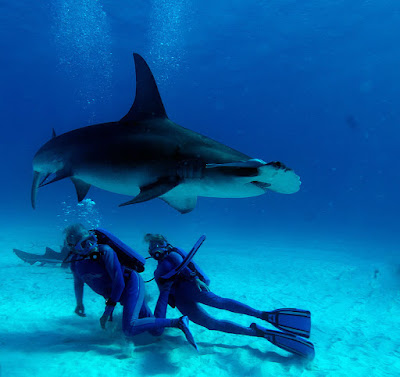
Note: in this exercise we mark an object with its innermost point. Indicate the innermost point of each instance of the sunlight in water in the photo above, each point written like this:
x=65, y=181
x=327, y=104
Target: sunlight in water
x=169, y=23
x=82, y=36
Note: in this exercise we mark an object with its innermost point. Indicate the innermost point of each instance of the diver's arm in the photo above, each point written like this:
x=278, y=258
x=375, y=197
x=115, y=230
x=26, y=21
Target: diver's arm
x=114, y=269
x=176, y=259
x=167, y=264
x=78, y=287
x=203, y=287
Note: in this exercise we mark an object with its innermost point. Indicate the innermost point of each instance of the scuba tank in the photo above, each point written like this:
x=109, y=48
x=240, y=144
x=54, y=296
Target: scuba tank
x=128, y=257
x=193, y=266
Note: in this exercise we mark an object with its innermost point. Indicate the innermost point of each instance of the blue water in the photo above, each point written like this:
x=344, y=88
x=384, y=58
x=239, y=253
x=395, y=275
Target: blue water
x=313, y=84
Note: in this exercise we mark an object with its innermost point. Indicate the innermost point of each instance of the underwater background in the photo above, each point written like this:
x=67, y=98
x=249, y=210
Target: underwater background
x=315, y=85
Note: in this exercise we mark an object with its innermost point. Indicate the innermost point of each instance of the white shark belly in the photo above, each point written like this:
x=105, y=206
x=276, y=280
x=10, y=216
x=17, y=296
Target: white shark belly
x=124, y=184
x=222, y=189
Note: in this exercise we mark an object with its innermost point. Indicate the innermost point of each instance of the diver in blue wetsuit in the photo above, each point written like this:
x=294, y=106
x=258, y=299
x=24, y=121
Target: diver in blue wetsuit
x=98, y=266
x=189, y=289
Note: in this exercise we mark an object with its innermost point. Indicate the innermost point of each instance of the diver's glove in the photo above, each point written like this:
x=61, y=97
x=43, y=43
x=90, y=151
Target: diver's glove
x=80, y=310
x=107, y=315
x=203, y=287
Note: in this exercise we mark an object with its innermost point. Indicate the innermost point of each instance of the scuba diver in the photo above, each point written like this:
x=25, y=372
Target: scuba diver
x=98, y=266
x=190, y=288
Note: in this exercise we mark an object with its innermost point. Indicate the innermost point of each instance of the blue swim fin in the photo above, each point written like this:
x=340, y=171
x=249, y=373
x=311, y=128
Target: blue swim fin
x=183, y=324
x=286, y=341
x=294, y=321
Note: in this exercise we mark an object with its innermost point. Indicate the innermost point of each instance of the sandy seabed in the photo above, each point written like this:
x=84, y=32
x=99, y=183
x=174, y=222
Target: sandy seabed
x=355, y=305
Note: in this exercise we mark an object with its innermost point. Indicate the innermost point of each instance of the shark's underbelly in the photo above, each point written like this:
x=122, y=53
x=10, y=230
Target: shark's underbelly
x=215, y=189
x=130, y=181
x=124, y=184
x=130, y=184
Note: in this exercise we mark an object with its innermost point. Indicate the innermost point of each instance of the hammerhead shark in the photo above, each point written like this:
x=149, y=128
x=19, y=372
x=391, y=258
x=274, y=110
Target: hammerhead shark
x=146, y=156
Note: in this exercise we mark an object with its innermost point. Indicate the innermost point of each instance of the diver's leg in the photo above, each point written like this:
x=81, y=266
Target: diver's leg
x=145, y=311
x=295, y=321
x=211, y=299
x=134, y=300
x=199, y=316
x=155, y=326
x=135, y=306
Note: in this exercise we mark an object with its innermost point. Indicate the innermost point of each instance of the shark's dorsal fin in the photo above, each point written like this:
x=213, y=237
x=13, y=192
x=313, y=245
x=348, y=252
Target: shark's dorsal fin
x=53, y=135
x=148, y=103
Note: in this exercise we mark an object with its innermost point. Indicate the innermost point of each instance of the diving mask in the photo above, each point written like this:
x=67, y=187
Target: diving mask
x=158, y=250
x=86, y=245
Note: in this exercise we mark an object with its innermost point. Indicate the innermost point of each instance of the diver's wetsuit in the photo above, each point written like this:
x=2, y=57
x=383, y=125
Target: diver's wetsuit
x=185, y=294
x=109, y=279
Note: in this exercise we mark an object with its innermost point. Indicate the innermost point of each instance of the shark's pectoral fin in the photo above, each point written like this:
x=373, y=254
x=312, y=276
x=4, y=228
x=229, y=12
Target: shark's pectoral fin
x=153, y=190
x=81, y=188
x=183, y=204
